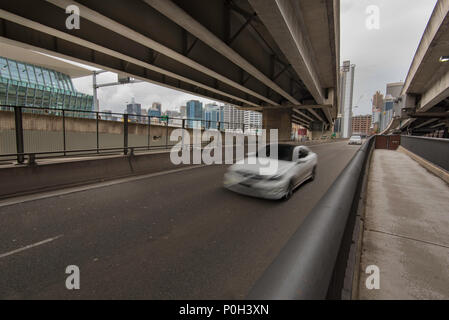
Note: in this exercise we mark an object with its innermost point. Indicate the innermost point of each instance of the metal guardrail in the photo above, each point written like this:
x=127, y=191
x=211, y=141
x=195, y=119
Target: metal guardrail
x=126, y=119
x=312, y=264
x=433, y=150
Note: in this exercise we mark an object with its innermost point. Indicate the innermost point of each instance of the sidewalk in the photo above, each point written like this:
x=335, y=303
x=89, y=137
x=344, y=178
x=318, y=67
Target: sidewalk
x=406, y=230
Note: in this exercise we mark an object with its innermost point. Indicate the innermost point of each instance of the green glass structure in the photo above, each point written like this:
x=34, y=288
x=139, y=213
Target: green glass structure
x=23, y=84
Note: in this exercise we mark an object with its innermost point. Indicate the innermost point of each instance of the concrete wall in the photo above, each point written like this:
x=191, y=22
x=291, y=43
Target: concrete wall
x=433, y=150
x=24, y=179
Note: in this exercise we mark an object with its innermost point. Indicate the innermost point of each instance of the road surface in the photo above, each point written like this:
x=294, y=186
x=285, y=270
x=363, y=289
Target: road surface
x=171, y=236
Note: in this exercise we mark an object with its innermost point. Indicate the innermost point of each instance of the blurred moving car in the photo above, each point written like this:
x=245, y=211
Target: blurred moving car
x=355, y=140
x=294, y=166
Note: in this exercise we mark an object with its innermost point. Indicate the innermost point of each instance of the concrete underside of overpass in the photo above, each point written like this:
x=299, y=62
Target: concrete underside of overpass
x=253, y=54
x=426, y=89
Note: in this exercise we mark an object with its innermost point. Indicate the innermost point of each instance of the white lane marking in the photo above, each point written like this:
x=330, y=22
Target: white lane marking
x=4, y=255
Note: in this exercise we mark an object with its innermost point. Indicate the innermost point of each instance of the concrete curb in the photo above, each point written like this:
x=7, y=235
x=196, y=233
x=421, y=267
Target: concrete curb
x=439, y=172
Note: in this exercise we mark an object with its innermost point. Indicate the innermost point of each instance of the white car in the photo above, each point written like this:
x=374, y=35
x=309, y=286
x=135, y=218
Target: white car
x=294, y=166
x=355, y=140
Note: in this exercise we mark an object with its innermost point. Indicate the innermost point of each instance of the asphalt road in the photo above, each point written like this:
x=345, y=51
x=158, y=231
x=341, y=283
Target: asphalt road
x=173, y=236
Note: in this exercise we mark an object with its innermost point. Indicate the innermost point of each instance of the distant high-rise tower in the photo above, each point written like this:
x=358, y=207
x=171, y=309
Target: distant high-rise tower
x=378, y=100
x=194, y=112
x=157, y=106
x=212, y=115
x=134, y=110
x=378, y=105
x=233, y=118
x=253, y=120
x=346, y=97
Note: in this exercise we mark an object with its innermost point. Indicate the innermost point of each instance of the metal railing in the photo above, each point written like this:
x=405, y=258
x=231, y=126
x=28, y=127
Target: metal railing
x=312, y=265
x=63, y=146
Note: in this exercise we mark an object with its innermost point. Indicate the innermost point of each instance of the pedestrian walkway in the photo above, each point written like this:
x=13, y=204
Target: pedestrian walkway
x=406, y=230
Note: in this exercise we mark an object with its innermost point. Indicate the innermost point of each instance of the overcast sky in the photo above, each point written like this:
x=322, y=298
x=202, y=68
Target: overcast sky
x=381, y=56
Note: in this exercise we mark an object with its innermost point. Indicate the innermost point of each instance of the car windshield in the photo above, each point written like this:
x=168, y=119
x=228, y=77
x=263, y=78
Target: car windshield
x=285, y=152
x=356, y=137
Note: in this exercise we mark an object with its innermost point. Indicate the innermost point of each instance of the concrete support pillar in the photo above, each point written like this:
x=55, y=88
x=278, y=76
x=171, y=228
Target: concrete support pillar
x=280, y=119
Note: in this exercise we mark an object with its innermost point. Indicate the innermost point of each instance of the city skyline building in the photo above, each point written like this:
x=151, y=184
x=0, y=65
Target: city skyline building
x=233, y=117
x=212, y=115
x=252, y=120
x=194, y=111
x=395, y=90
x=385, y=108
x=209, y=116
x=378, y=99
x=378, y=105
x=157, y=106
x=134, y=110
x=155, y=113
x=347, y=72
x=361, y=125
x=29, y=85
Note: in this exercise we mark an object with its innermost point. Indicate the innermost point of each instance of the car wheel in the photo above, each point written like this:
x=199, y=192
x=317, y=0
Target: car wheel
x=289, y=193
x=313, y=174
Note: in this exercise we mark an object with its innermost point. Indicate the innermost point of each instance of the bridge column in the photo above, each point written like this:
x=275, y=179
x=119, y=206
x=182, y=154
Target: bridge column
x=280, y=119
x=320, y=129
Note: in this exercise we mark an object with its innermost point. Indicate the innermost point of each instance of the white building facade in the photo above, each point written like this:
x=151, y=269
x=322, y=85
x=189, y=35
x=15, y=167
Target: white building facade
x=346, y=98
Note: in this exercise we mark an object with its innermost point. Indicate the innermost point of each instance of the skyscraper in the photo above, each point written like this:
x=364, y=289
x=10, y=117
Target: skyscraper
x=378, y=105
x=212, y=115
x=387, y=112
x=134, y=110
x=346, y=97
x=395, y=90
x=157, y=106
x=194, y=112
x=234, y=118
x=378, y=100
x=383, y=115
x=253, y=120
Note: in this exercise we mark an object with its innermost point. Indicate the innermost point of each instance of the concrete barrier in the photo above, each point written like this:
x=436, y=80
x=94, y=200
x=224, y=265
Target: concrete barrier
x=52, y=175
x=19, y=180
x=433, y=150
x=313, y=263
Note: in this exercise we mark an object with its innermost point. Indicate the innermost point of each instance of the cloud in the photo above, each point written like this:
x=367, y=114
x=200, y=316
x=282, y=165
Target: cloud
x=115, y=98
x=381, y=56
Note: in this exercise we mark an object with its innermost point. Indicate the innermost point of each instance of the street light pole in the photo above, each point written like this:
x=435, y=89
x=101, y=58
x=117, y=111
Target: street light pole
x=94, y=77
x=95, y=87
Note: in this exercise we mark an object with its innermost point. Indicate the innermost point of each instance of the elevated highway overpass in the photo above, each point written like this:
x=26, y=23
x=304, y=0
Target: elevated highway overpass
x=425, y=96
x=278, y=57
